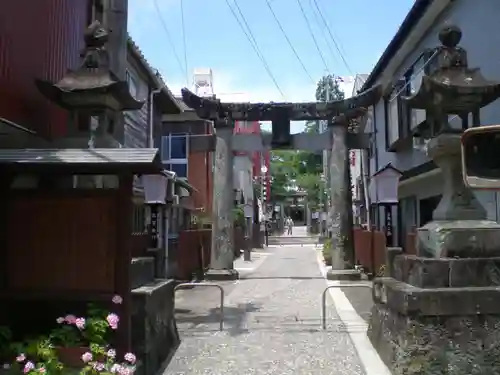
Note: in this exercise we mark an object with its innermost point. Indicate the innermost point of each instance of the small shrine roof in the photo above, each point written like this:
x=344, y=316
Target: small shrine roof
x=86, y=160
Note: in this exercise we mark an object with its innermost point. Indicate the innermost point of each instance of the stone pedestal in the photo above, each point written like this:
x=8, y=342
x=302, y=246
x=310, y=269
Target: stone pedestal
x=439, y=312
x=438, y=316
x=222, y=254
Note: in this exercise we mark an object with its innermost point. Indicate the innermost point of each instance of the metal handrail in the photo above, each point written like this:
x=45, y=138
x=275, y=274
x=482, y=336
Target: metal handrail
x=191, y=285
x=323, y=297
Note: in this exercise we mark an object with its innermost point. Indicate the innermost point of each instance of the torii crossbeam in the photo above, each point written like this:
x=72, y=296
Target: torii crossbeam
x=341, y=137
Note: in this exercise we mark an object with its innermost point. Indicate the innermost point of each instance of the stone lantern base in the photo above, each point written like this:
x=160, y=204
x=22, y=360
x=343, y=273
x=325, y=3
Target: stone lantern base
x=438, y=312
x=437, y=316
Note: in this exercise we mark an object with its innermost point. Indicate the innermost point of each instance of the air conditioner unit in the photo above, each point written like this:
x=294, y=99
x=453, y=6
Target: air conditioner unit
x=175, y=200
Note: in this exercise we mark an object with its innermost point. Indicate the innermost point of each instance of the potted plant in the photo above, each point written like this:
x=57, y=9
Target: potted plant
x=78, y=343
x=75, y=335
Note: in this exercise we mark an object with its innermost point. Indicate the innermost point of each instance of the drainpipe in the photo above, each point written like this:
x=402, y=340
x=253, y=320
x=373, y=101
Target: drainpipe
x=364, y=174
x=151, y=141
x=164, y=211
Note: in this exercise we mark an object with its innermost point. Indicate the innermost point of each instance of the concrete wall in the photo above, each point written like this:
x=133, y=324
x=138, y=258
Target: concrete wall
x=481, y=32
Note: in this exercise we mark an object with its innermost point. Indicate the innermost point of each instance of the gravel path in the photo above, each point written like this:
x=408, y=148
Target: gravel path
x=272, y=323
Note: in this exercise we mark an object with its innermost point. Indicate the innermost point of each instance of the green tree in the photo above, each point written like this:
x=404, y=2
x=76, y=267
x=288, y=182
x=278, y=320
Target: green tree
x=303, y=169
x=327, y=84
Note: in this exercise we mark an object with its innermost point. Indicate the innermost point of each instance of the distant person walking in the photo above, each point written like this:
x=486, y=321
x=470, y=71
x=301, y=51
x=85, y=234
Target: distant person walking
x=289, y=225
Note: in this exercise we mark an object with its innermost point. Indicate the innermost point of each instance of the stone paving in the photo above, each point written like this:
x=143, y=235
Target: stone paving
x=272, y=322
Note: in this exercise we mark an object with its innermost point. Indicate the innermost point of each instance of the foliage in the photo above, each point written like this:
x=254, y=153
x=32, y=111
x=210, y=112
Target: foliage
x=35, y=356
x=238, y=217
x=291, y=170
x=40, y=356
x=327, y=251
x=327, y=84
x=5, y=340
x=80, y=331
x=314, y=187
x=101, y=360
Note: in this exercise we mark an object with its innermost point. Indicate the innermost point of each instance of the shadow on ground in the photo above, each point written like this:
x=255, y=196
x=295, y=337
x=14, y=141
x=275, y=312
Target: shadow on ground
x=234, y=317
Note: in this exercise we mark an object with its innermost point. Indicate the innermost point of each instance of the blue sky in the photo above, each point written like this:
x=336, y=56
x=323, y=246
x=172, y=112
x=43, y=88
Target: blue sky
x=214, y=39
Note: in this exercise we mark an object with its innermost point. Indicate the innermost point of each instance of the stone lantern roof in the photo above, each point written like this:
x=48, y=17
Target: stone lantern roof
x=453, y=87
x=93, y=86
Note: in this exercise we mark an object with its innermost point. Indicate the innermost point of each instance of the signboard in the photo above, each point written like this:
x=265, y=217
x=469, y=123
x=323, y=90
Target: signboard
x=388, y=225
x=154, y=226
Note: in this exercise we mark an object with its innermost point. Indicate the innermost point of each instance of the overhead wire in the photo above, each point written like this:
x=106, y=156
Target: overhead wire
x=335, y=43
x=312, y=34
x=184, y=42
x=253, y=42
x=289, y=42
x=169, y=37
x=323, y=32
x=334, y=34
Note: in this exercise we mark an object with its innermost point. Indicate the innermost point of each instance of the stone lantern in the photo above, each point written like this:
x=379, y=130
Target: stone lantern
x=439, y=311
x=93, y=93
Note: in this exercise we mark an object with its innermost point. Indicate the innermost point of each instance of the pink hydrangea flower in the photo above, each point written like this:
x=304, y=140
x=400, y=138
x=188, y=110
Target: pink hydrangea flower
x=129, y=357
x=125, y=371
x=113, y=320
x=28, y=367
x=42, y=370
x=60, y=320
x=80, y=323
x=111, y=353
x=98, y=366
x=87, y=357
x=117, y=299
x=70, y=319
x=115, y=368
x=21, y=357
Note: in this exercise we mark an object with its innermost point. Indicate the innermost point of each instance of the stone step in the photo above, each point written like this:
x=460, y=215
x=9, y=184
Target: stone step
x=143, y=271
x=290, y=240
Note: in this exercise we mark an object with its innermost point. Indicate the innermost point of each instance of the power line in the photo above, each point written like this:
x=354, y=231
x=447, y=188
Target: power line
x=253, y=43
x=289, y=42
x=322, y=29
x=184, y=42
x=312, y=34
x=169, y=37
x=335, y=35
x=332, y=37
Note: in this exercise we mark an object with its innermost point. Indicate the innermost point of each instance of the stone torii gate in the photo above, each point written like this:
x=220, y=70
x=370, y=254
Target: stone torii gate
x=339, y=140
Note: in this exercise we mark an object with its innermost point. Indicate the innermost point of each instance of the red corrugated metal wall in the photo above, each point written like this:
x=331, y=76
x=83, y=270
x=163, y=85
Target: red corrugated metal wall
x=38, y=39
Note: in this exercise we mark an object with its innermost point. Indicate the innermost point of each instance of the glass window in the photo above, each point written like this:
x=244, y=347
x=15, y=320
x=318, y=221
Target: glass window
x=165, y=148
x=393, y=118
x=178, y=146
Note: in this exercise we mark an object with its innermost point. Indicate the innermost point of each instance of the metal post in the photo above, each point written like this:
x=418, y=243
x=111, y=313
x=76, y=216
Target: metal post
x=210, y=285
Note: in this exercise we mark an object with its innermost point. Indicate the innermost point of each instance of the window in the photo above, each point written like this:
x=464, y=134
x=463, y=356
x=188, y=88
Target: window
x=401, y=120
x=393, y=114
x=174, y=153
x=132, y=84
x=417, y=72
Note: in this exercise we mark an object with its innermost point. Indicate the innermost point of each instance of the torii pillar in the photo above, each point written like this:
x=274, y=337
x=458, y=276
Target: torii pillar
x=222, y=252
x=340, y=210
